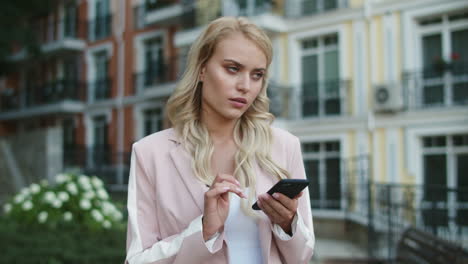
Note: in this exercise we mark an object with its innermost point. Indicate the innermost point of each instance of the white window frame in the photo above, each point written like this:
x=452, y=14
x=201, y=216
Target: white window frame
x=91, y=66
x=295, y=70
x=139, y=116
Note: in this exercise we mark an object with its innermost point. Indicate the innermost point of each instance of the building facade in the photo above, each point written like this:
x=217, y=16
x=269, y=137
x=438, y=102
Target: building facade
x=377, y=91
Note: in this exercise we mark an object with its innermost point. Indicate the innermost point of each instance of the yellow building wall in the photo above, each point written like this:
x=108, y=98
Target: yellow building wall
x=378, y=37
x=350, y=59
x=356, y=3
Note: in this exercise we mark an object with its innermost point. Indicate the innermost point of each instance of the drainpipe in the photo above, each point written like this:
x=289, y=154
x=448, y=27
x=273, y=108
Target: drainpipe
x=119, y=32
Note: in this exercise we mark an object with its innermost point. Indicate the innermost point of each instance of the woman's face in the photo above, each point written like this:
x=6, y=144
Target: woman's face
x=232, y=78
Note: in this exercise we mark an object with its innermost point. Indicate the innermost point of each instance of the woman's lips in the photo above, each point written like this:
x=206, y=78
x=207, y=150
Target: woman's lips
x=238, y=102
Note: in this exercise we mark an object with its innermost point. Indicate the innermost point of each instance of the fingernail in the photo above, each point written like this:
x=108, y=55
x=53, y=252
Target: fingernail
x=226, y=188
x=276, y=195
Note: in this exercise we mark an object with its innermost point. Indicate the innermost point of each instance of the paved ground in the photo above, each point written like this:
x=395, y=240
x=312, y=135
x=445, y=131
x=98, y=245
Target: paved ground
x=335, y=249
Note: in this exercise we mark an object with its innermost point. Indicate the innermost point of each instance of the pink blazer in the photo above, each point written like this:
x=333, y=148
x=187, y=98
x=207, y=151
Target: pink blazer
x=165, y=206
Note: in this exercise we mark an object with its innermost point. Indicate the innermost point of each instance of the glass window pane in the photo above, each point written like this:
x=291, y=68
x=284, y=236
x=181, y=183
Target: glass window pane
x=312, y=172
x=333, y=185
x=309, y=7
x=462, y=195
x=310, y=86
x=460, y=140
x=435, y=177
x=459, y=55
x=432, y=55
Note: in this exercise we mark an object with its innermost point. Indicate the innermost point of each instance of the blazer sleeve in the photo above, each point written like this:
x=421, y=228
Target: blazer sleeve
x=144, y=242
x=300, y=247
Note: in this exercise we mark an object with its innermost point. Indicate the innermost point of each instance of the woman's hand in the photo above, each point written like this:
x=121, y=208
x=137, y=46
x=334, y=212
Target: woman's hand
x=216, y=207
x=279, y=208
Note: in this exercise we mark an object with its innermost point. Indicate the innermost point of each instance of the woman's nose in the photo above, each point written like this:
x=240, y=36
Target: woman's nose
x=243, y=83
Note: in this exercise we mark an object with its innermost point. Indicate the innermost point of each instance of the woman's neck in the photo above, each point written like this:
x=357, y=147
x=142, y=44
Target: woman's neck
x=221, y=131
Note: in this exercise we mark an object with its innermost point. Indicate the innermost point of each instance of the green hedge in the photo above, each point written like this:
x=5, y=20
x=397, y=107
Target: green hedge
x=66, y=245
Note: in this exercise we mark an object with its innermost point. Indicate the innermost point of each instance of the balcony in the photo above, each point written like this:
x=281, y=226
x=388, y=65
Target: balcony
x=60, y=96
x=160, y=12
x=100, y=28
x=304, y=8
x=98, y=160
x=57, y=36
x=437, y=87
x=99, y=90
x=324, y=98
x=158, y=76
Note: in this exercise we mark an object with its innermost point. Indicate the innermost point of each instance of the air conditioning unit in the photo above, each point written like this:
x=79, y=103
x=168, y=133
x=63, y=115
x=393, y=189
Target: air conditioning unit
x=388, y=97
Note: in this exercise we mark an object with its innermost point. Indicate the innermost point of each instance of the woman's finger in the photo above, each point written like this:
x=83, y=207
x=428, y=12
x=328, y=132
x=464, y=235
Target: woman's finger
x=226, y=177
x=290, y=204
x=278, y=207
x=224, y=188
x=268, y=210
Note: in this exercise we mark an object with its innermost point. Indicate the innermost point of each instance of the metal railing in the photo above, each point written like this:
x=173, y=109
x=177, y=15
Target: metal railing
x=54, y=92
x=50, y=31
x=100, y=160
x=100, y=27
x=161, y=72
x=436, y=87
x=9, y=100
x=100, y=89
x=302, y=8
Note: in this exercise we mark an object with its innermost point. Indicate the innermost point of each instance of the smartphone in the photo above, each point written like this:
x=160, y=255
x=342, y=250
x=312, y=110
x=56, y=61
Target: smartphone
x=288, y=187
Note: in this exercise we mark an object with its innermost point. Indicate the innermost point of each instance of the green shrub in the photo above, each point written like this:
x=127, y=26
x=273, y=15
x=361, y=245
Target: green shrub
x=71, y=221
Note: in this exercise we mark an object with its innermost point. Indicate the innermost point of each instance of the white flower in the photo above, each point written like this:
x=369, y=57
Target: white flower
x=84, y=182
x=117, y=215
x=106, y=224
x=27, y=205
x=102, y=194
x=63, y=196
x=61, y=178
x=7, y=208
x=42, y=217
x=34, y=188
x=50, y=197
x=57, y=203
x=97, y=215
x=71, y=187
x=108, y=208
x=67, y=216
x=97, y=182
x=25, y=191
x=19, y=198
x=85, y=204
x=89, y=195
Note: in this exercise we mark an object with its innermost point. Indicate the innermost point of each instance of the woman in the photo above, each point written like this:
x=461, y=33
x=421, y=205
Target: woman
x=191, y=187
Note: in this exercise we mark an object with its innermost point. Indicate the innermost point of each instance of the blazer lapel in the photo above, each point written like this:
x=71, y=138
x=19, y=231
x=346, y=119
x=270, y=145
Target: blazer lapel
x=182, y=162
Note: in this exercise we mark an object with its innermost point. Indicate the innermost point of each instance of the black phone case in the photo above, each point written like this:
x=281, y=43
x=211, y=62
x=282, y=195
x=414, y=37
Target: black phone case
x=288, y=187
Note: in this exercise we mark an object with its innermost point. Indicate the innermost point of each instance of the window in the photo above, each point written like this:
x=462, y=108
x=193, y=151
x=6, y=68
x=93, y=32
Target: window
x=70, y=21
x=309, y=7
x=101, y=83
x=151, y=5
x=100, y=149
x=70, y=150
x=323, y=168
x=445, y=60
x=320, y=77
x=445, y=195
x=155, y=71
x=101, y=25
x=153, y=121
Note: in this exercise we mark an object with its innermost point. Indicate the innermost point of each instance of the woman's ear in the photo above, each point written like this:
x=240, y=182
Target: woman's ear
x=202, y=74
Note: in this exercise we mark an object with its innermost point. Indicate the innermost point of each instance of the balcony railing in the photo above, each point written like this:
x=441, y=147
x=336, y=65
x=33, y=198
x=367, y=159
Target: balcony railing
x=301, y=8
x=98, y=160
x=141, y=12
x=51, y=31
x=100, y=28
x=437, y=87
x=100, y=89
x=161, y=73
x=324, y=98
x=9, y=100
x=200, y=13
x=54, y=92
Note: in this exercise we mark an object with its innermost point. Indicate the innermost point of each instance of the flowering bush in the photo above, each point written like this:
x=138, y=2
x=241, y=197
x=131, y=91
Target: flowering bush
x=75, y=200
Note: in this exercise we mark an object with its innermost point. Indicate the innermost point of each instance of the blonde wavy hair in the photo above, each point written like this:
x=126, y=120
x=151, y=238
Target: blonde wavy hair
x=252, y=132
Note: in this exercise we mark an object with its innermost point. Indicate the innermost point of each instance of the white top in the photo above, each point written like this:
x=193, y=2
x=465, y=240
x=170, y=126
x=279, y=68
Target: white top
x=241, y=233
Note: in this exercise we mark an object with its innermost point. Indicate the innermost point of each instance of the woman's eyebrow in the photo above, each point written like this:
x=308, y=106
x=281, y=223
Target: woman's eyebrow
x=240, y=65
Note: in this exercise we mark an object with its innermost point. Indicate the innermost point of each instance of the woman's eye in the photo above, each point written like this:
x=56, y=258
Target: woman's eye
x=232, y=69
x=258, y=75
